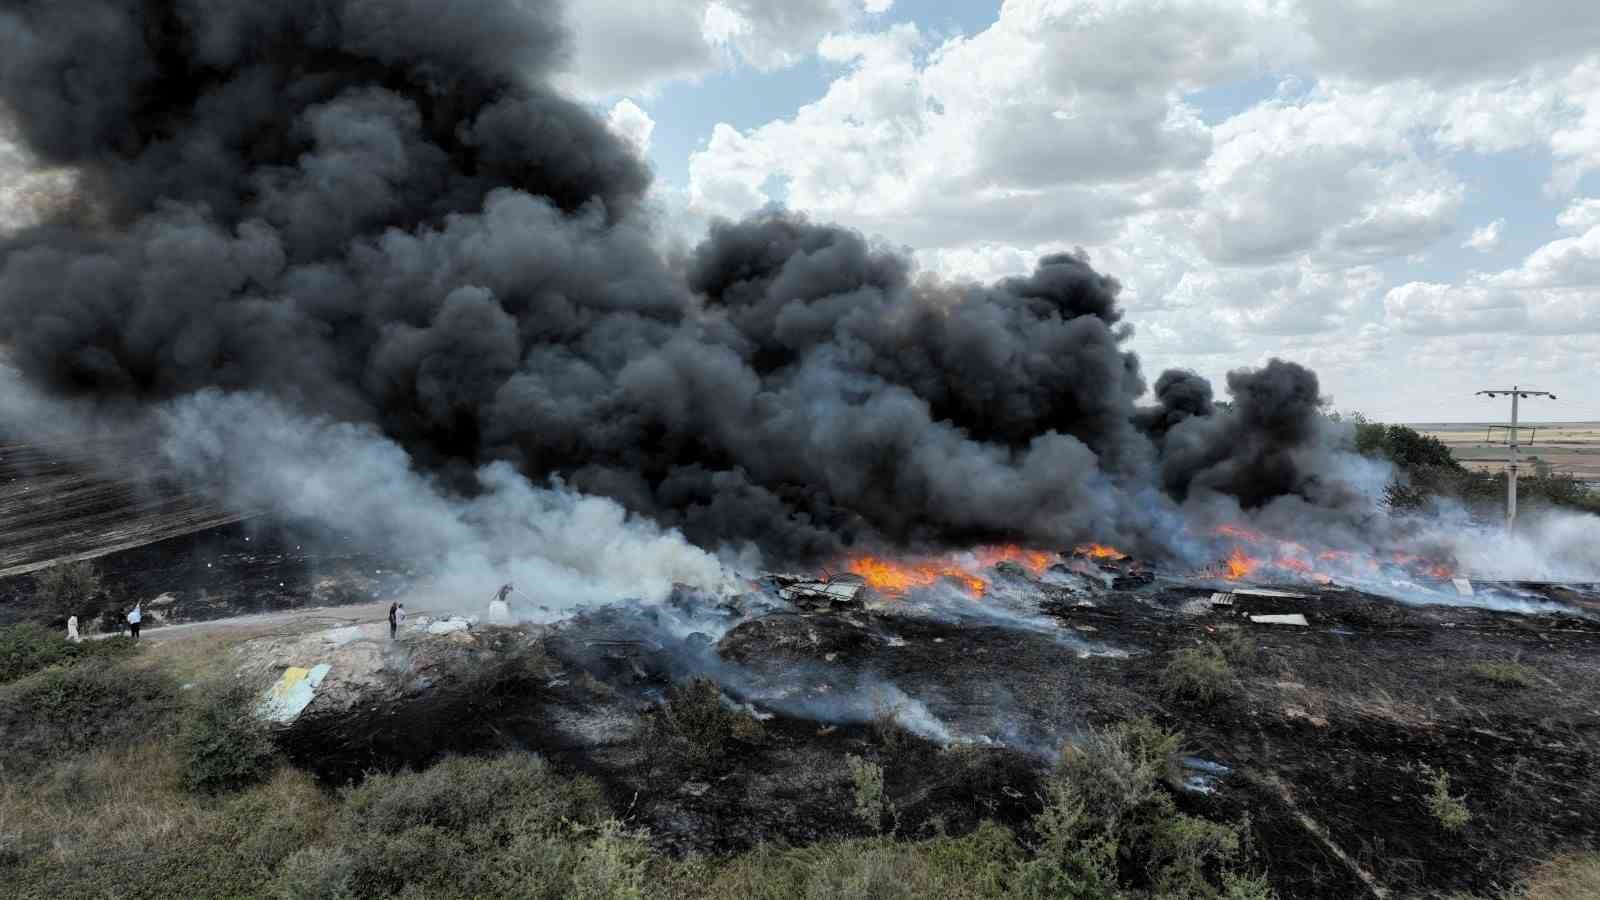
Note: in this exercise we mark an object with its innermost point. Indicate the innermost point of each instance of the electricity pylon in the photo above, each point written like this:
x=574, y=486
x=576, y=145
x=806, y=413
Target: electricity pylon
x=1517, y=394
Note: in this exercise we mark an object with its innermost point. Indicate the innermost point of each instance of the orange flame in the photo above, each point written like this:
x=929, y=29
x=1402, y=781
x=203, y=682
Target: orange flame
x=1100, y=551
x=1292, y=564
x=1237, y=531
x=1238, y=565
x=1035, y=561
x=891, y=577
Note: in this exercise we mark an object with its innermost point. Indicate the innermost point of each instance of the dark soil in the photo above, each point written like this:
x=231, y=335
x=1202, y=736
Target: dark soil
x=237, y=569
x=1331, y=735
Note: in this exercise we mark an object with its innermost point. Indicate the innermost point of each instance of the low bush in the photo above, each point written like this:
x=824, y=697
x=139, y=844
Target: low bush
x=1239, y=647
x=1449, y=811
x=26, y=649
x=872, y=804
x=316, y=873
x=68, y=588
x=1198, y=675
x=697, y=727
x=978, y=866
x=1110, y=823
x=63, y=710
x=225, y=746
x=500, y=827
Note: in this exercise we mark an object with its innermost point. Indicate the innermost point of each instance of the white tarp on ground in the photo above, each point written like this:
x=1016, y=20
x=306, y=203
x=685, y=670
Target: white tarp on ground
x=1281, y=619
x=293, y=693
x=446, y=626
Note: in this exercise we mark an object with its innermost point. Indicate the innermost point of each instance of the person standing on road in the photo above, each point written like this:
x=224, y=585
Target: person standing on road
x=135, y=616
x=499, y=609
x=394, y=622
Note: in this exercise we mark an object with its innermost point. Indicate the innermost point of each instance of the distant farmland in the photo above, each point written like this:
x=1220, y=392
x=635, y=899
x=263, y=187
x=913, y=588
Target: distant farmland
x=1569, y=447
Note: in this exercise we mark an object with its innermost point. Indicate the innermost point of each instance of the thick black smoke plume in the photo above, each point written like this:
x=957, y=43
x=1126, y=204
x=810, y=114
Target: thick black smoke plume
x=378, y=212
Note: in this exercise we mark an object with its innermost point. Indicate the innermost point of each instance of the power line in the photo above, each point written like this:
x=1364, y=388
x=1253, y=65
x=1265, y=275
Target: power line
x=1516, y=393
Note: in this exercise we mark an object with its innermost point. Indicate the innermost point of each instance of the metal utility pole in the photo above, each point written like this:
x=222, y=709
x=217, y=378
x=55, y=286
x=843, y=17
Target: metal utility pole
x=1517, y=393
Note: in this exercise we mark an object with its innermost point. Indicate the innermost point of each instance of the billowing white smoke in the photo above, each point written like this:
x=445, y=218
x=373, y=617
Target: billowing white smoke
x=1551, y=545
x=560, y=547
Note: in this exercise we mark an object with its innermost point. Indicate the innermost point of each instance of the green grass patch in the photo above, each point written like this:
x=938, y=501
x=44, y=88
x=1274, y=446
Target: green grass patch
x=26, y=649
x=1505, y=673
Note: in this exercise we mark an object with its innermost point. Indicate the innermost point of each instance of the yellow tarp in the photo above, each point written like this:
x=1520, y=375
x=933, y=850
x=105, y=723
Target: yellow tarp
x=291, y=677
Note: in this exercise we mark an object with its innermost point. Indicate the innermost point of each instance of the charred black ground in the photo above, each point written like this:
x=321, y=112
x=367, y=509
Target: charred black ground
x=380, y=213
x=1325, y=737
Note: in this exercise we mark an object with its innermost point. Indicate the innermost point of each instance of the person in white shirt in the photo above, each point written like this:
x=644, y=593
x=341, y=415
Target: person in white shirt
x=72, y=629
x=135, y=616
x=499, y=609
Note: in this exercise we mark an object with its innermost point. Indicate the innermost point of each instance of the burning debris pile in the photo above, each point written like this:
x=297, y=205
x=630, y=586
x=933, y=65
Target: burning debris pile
x=789, y=674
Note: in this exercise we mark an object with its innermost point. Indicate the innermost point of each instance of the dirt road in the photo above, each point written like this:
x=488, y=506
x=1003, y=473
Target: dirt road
x=330, y=616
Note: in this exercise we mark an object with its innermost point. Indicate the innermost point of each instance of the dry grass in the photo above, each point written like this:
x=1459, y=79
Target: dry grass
x=1575, y=877
x=1570, y=447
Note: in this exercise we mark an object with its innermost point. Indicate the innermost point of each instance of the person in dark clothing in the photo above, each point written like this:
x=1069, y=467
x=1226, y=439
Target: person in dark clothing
x=394, y=623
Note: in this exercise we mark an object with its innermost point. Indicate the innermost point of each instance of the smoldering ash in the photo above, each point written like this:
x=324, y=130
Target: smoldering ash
x=381, y=214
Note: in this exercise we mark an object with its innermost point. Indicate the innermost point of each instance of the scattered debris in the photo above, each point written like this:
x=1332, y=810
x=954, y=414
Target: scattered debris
x=293, y=692
x=1281, y=619
x=1268, y=592
x=1463, y=586
x=1201, y=775
x=835, y=591
x=1221, y=599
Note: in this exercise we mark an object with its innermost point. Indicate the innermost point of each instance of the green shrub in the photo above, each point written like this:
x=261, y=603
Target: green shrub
x=982, y=865
x=1110, y=822
x=68, y=587
x=63, y=710
x=1197, y=675
x=872, y=805
x=506, y=826
x=1507, y=673
x=698, y=727
x=315, y=873
x=1450, y=812
x=25, y=649
x=225, y=746
x=1239, y=647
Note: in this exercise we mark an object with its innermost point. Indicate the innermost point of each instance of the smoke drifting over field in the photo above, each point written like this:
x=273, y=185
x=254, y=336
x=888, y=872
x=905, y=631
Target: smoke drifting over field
x=378, y=214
